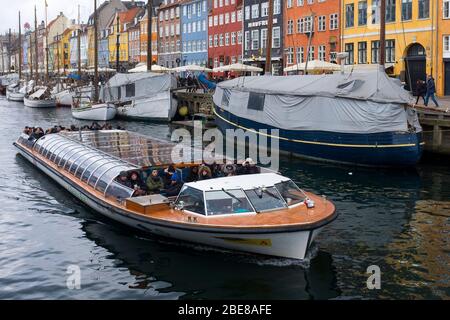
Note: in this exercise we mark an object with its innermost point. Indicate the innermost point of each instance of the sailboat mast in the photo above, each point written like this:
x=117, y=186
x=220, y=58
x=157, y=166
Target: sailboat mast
x=46, y=43
x=95, y=53
x=118, y=44
x=269, y=39
x=9, y=51
x=149, y=34
x=36, y=55
x=79, y=42
x=31, y=57
x=383, y=32
x=20, y=48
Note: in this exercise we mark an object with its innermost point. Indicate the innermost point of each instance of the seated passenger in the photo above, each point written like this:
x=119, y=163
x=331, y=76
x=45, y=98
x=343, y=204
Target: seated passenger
x=204, y=173
x=216, y=170
x=229, y=169
x=168, y=173
x=251, y=167
x=95, y=126
x=174, y=188
x=154, y=183
x=193, y=175
x=138, y=185
x=123, y=180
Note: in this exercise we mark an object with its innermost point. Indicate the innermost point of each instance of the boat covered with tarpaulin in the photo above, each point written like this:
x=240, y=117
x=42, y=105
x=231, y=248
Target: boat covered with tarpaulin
x=359, y=118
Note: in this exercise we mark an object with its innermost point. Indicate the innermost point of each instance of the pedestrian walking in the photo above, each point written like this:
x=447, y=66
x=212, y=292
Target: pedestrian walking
x=421, y=90
x=431, y=90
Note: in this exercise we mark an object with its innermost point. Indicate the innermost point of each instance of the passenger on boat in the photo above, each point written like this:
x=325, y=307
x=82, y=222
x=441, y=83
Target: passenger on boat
x=204, y=173
x=138, y=185
x=251, y=167
x=73, y=128
x=193, y=175
x=229, y=169
x=174, y=188
x=154, y=183
x=123, y=180
x=216, y=170
x=95, y=126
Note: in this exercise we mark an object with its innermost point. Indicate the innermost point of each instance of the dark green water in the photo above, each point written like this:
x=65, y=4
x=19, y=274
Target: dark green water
x=398, y=220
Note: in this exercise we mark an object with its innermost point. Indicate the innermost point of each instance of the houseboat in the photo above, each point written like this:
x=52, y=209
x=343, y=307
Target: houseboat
x=359, y=118
x=263, y=213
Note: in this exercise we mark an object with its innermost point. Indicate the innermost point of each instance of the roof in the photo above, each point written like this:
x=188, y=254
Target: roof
x=128, y=16
x=245, y=182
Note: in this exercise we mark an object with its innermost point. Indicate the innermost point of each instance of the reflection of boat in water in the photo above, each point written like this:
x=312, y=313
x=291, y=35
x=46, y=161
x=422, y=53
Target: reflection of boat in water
x=190, y=273
x=261, y=213
x=360, y=118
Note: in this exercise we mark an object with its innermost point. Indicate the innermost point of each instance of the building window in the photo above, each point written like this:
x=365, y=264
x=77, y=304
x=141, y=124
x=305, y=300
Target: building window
x=300, y=55
x=290, y=27
x=255, y=11
x=362, y=13
x=375, y=50
x=322, y=52
x=322, y=23
x=308, y=24
x=390, y=10
x=446, y=45
x=446, y=9
x=362, y=52
x=390, y=50
x=424, y=9
x=349, y=49
x=276, y=39
x=290, y=55
x=375, y=11
x=406, y=10
x=311, y=53
x=255, y=39
x=349, y=15
x=334, y=21
x=247, y=40
x=263, y=38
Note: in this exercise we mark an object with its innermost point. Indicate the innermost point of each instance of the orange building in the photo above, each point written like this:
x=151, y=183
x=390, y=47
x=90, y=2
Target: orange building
x=144, y=38
x=443, y=50
x=315, y=21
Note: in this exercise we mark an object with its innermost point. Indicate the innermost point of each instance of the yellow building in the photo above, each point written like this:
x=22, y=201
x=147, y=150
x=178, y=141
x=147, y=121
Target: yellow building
x=443, y=41
x=61, y=51
x=411, y=36
x=91, y=46
x=119, y=23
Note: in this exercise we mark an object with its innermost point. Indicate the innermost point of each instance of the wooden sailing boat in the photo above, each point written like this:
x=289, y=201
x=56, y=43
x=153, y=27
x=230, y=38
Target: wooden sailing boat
x=40, y=96
x=85, y=108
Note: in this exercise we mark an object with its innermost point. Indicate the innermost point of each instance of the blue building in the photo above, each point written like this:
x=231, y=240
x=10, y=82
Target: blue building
x=194, y=32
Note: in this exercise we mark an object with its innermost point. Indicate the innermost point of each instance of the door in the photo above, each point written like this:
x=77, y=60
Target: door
x=447, y=79
x=416, y=66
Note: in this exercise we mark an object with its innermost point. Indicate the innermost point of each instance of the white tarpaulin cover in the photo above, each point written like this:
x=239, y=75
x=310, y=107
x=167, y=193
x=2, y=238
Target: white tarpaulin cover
x=145, y=85
x=350, y=103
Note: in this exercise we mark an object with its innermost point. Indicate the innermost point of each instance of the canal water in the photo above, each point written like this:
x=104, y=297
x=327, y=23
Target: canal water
x=396, y=220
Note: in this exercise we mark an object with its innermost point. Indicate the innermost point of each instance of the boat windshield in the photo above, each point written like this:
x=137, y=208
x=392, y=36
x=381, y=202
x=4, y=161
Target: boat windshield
x=290, y=192
x=265, y=199
x=227, y=202
x=191, y=199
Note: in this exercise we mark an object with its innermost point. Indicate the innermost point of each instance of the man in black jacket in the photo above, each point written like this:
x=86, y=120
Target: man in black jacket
x=431, y=90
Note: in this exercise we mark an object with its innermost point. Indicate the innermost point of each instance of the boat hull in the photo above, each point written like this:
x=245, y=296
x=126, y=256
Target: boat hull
x=15, y=96
x=160, y=107
x=292, y=244
x=387, y=149
x=105, y=112
x=39, y=103
x=64, y=98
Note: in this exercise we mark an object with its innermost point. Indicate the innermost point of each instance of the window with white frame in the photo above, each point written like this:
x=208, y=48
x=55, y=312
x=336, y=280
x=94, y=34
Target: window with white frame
x=247, y=40
x=255, y=11
x=322, y=52
x=290, y=27
x=446, y=9
x=311, y=53
x=334, y=21
x=255, y=39
x=446, y=48
x=263, y=38
x=290, y=55
x=300, y=54
x=276, y=37
x=322, y=22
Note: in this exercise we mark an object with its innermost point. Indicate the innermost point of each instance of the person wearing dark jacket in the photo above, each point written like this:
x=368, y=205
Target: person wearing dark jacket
x=421, y=90
x=431, y=90
x=155, y=183
x=138, y=185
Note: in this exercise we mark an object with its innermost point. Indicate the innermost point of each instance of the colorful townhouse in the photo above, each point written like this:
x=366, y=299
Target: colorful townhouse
x=144, y=38
x=256, y=14
x=134, y=41
x=55, y=30
x=194, y=32
x=410, y=36
x=225, y=33
x=119, y=38
x=73, y=40
x=311, y=22
x=443, y=41
x=169, y=43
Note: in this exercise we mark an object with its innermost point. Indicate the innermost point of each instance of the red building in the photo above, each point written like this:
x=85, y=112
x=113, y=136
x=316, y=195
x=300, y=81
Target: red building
x=224, y=33
x=316, y=19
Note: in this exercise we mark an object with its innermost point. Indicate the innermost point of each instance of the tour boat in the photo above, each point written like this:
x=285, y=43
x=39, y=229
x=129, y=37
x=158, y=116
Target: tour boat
x=263, y=213
x=359, y=118
x=39, y=97
x=142, y=96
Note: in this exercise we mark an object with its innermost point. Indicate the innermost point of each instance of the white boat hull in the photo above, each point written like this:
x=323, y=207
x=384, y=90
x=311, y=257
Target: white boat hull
x=102, y=112
x=64, y=98
x=15, y=96
x=293, y=245
x=160, y=107
x=39, y=103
